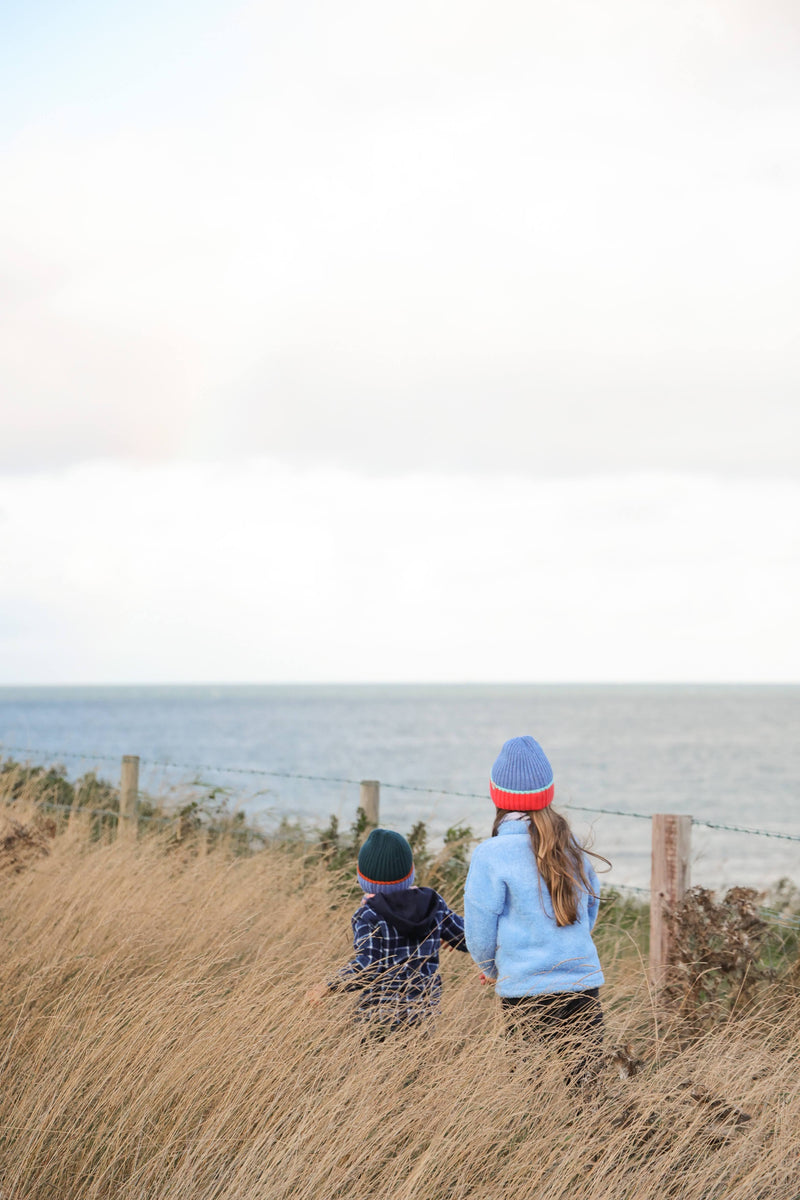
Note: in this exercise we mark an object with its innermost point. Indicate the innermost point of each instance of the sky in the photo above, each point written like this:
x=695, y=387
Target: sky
x=451, y=341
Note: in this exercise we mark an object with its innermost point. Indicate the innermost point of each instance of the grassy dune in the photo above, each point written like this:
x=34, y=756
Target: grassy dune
x=154, y=1042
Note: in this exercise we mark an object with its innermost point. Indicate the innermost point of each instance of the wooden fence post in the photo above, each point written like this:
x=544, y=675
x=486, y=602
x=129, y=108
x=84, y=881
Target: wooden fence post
x=669, y=880
x=371, y=800
x=128, y=794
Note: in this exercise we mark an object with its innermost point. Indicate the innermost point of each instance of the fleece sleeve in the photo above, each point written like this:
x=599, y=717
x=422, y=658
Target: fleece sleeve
x=594, y=895
x=484, y=900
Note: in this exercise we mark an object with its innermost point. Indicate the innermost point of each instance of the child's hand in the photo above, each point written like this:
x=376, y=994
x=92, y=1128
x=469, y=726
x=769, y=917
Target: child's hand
x=485, y=979
x=317, y=994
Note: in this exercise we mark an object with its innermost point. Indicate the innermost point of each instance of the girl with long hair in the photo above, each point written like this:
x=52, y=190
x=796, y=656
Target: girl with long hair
x=530, y=903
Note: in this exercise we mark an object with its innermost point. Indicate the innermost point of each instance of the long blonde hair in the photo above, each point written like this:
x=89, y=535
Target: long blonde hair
x=559, y=859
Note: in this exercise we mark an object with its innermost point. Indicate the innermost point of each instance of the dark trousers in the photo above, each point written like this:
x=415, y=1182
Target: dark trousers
x=570, y=1022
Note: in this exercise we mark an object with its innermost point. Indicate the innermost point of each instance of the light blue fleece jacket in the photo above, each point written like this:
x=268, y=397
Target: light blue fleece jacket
x=509, y=924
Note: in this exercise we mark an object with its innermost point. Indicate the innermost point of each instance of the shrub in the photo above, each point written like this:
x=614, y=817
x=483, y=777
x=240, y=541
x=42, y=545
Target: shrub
x=720, y=947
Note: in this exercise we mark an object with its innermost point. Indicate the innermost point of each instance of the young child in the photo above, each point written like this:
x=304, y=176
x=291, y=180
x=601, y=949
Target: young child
x=397, y=932
x=530, y=904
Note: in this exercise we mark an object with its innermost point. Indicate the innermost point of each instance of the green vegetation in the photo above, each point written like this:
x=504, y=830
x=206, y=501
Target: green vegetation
x=209, y=813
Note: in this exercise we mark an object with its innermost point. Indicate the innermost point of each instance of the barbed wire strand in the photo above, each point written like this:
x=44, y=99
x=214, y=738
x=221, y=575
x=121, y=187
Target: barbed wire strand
x=56, y=755
x=403, y=787
x=788, y=837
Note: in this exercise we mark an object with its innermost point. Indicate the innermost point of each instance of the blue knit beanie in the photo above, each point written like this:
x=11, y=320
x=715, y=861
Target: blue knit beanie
x=522, y=778
x=385, y=862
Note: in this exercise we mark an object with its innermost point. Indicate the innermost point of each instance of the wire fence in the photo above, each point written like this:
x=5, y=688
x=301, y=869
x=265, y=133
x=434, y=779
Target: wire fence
x=785, y=919
x=59, y=755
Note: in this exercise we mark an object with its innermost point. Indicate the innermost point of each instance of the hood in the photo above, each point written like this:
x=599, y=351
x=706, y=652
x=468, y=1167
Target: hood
x=412, y=912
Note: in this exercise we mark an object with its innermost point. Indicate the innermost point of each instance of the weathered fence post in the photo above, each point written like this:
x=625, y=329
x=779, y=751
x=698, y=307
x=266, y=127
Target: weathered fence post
x=371, y=800
x=669, y=879
x=128, y=794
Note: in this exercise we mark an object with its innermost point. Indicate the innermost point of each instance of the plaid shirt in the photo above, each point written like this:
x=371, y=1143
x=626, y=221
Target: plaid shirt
x=397, y=972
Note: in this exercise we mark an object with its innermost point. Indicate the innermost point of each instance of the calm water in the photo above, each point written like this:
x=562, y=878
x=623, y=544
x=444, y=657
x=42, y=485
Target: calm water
x=720, y=753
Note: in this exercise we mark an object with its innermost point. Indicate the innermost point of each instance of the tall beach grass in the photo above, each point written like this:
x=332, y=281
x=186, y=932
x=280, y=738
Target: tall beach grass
x=155, y=1042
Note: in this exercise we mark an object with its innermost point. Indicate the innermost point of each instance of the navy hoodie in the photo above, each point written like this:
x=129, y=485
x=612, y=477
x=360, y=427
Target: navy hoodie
x=396, y=939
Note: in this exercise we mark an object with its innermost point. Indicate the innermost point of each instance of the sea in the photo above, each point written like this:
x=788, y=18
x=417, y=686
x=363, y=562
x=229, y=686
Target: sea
x=726, y=755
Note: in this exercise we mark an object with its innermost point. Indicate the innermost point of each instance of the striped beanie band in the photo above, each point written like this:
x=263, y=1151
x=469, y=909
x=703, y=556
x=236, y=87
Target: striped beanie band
x=522, y=778
x=385, y=862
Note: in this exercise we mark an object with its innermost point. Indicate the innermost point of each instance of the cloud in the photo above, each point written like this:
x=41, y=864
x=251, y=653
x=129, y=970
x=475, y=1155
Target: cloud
x=558, y=240
x=260, y=573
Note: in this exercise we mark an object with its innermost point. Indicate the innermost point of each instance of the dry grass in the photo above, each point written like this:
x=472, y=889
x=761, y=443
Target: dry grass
x=154, y=1043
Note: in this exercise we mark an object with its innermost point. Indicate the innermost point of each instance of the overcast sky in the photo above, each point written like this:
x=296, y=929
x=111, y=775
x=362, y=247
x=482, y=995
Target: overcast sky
x=434, y=341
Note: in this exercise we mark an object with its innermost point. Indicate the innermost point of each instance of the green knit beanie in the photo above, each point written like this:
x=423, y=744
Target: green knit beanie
x=385, y=862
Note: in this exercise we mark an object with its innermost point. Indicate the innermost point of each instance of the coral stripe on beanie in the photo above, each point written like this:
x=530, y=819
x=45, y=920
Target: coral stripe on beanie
x=522, y=778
